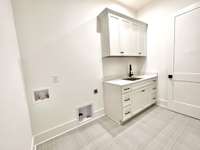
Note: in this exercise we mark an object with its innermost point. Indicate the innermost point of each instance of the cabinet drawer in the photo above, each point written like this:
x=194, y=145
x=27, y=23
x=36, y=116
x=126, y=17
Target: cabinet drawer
x=154, y=81
x=141, y=90
x=126, y=89
x=153, y=87
x=126, y=112
x=153, y=97
x=126, y=99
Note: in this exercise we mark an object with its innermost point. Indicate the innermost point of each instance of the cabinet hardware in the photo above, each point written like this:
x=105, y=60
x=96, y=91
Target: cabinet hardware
x=154, y=98
x=128, y=99
x=127, y=113
x=143, y=91
x=140, y=53
x=121, y=52
x=126, y=89
x=154, y=80
x=154, y=88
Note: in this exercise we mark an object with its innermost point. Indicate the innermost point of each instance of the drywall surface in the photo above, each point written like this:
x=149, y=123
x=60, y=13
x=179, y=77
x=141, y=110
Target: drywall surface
x=116, y=67
x=15, y=129
x=159, y=16
x=61, y=50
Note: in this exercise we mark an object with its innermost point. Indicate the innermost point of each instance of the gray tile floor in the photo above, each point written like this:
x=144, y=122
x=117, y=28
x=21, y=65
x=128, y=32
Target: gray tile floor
x=154, y=129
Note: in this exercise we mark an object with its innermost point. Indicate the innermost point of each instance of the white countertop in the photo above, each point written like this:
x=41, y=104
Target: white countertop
x=121, y=82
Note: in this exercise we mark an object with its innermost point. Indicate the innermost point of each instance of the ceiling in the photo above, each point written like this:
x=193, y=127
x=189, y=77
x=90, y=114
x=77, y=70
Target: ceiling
x=135, y=4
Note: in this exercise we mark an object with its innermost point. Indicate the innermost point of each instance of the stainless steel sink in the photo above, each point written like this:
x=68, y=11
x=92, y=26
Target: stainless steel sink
x=132, y=79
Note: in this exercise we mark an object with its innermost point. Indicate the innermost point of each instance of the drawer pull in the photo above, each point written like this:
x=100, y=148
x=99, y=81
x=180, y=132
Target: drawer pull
x=143, y=91
x=128, y=99
x=127, y=113
x=121, y=52
x=154, y=88
x=154, y=98
x=154, y=80
x=126, y=89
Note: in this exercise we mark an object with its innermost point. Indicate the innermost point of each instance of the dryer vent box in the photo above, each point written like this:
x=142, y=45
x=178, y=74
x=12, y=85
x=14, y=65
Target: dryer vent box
x=85, y=113
x=41, y=95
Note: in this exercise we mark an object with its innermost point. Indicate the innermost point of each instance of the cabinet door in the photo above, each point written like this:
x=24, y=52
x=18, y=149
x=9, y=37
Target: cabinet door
x=139, y=100
x=141, y=39
x=127, y=37
x=133, y=40
x=114, y=33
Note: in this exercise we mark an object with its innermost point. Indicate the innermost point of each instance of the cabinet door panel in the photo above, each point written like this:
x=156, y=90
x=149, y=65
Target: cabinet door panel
x=125, y=35
x=141, y=39
x=138, y=100
x=133, y=40
x=114, y=33
x=128, y=37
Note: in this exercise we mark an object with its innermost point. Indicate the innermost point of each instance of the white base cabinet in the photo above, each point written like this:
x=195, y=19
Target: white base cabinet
x=123, y=102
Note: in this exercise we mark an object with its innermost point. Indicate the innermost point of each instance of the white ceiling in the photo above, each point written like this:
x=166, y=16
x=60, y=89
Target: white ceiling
x=135, y=4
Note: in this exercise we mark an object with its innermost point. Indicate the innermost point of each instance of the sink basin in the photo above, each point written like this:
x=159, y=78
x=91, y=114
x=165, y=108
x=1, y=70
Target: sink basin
x=132, y=79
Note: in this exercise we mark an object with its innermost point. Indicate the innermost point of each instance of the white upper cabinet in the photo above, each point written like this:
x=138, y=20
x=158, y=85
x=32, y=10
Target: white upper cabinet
x=141, y=39
x=114, y=35
x=121, y=35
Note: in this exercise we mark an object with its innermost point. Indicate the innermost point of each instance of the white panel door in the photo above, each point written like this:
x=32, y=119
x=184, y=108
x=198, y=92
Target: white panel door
x=186, y=64
x=114, y=35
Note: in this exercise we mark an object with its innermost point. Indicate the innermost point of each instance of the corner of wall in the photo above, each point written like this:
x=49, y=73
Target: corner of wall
x=63, y=128
x=131, y=10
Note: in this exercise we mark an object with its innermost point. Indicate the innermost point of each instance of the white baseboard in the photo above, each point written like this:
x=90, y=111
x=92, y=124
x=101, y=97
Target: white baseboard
x=162, y=103
x=64, y=128
x=184, y=108
x=33, y=147
x=180, y=107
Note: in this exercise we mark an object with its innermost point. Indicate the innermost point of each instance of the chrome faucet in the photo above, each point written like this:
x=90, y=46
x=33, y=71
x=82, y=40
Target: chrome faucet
x=130, y=73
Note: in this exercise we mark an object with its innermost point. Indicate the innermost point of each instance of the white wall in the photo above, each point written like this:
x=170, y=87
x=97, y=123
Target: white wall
x=59, y=38
x=15, y=131
x=117, y=67
x=159, y=16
